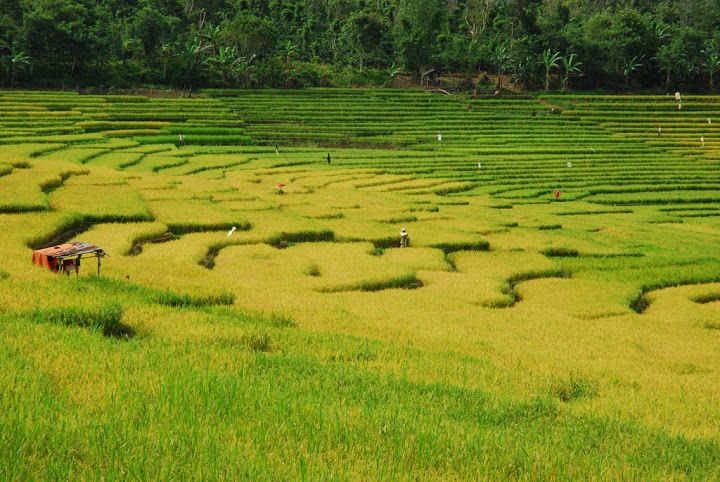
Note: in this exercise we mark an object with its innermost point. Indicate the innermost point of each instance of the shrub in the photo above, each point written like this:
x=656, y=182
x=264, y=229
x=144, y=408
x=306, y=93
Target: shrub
x=258, y=341
x=171, y=298
x=105, y=317
x=282, y=321
x=560, y=252
x=574, y=388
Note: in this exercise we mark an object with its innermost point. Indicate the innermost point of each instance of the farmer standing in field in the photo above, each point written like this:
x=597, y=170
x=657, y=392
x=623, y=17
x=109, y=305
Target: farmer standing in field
x=404, y=242
x=182, y=140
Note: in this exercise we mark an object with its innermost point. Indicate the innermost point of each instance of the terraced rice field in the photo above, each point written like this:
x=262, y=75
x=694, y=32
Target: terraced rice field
x=555, y=317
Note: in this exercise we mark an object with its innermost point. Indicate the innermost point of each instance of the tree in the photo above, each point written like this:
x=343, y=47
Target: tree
x=476, y=16
x=212, y=34
x=243, y=69
x=127, y=44
x=501, y=60
x=251, y=35
x=712, y=64
x=364, y=32
x=630, y=66
x=549, y=60
x=226, y=60
x=165, y=52
x=55, y=34
x=571, y=67
x=14, y=62
x=629, y=36
x=667, y=58
x=190, y=54
x=290, y=51
x=151, y=29
x=419, y=23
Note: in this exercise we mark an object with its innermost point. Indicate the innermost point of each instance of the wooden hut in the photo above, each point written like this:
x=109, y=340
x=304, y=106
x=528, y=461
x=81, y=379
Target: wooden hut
x=65, y=258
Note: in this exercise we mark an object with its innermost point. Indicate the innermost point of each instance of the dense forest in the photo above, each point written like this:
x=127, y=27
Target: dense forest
x=615, y=45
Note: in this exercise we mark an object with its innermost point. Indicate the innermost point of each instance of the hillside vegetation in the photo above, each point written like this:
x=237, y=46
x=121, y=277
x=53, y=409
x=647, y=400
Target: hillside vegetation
x=629, y=45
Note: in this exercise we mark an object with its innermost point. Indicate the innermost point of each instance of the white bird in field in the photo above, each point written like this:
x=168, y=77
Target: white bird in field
x=439, y=136
x=231, y=231
x=479, y=166
x=592, y=150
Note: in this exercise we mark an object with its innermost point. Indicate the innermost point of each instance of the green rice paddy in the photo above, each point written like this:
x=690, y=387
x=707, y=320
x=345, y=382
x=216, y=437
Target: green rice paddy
x=555, y=316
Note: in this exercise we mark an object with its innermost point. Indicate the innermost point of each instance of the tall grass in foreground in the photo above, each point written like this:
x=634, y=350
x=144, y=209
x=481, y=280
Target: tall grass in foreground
x=260, y=402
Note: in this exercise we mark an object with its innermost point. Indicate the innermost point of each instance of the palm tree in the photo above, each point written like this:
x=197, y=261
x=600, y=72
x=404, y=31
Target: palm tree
x=549, y=60
x=571, y=67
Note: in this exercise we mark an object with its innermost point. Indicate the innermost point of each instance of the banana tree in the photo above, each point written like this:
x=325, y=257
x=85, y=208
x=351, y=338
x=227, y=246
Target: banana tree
x=571, y=67
x=501, y=60
x=549, y=60
x=165, y=52
x=16, y=61
x=630, y=66
x=213, y=34
x=712, y=63
x=244, y=69
x=191, y=53
x=290, y=52
x=127, y=44
x=226, y=60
